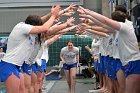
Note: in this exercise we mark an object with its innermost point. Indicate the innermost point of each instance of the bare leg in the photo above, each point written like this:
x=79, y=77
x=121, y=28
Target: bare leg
x=22, y=84
x=133, y=83
x=121, y=81
x=67, y=74
x=27, y=81
x=39, y=79
x=12, y=84
x=72, y=76
x=34, y=85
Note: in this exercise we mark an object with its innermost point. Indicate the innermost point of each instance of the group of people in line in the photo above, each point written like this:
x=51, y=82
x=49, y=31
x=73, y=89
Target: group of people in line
x=115, y=50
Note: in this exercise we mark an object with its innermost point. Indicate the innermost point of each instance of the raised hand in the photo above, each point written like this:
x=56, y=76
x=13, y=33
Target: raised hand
x=80, y=10
x=68, y=13
x=79, y=30
x=55, y=10
x=70, y=8
x=70, y=21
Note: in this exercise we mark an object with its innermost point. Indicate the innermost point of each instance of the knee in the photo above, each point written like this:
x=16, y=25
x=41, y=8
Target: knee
x=73, y=78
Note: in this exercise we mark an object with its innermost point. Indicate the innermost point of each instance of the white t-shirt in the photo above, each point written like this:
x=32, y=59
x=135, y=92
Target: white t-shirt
x=104, y=46
x=69, y=56
x=20, y=44
x=115, y=42
x=109, y=47
x=31, y=60
x=115, y=53
x=45, y=54
x=95, y=46
x=128, y=45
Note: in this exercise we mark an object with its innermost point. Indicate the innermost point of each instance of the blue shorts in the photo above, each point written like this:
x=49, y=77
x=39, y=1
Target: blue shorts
x=133, y=67
x=110, y=67
x=105, y=60
x=113, y=68
x=43, y=66
x=26, y=68
x=69, y=66
x=34, y=68
x=6, y=69
x=102, y=67
x=98, y=66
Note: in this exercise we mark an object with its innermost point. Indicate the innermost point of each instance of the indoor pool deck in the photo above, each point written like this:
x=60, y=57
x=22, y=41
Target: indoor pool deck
x=60, y=86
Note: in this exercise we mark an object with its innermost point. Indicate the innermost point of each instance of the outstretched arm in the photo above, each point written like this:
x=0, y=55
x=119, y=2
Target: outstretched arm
x=59, y=27
x=53, y=39
x=105, y=20
x=44, y=28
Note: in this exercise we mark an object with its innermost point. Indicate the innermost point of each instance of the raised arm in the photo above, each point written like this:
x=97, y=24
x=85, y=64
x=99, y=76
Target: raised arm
x=66, y=30
x=102, y=34
x=103, y=19
x=44, y=28
x=53, y=39
x=110, y=30
x=45, y=17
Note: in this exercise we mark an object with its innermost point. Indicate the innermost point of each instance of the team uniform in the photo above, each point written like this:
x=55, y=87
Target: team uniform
x=16, y=55
x=95, y=48
x=69, y=57
x=29, y=64
x=128, y=49
x=43, y=57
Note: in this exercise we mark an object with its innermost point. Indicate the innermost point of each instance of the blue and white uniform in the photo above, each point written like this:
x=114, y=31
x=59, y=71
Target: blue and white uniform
x=69, y=57
x=29, y=64
x=43, y=57
x=128, y=49
x=19, y=48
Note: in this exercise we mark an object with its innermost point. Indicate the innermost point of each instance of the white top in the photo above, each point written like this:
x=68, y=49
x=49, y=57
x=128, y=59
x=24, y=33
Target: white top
x=33, y=55
x=104, y=46
x=69, y=55
x=115, y=41
x=115, y=53
x=45, y=54
x=95, y=46
x=109, y=47
x=19, y=45
x=128, y=45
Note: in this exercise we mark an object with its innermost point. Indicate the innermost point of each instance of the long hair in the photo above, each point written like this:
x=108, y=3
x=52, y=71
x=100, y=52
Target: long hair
x=123, y=9
x=118, y=16
x=33, y=20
